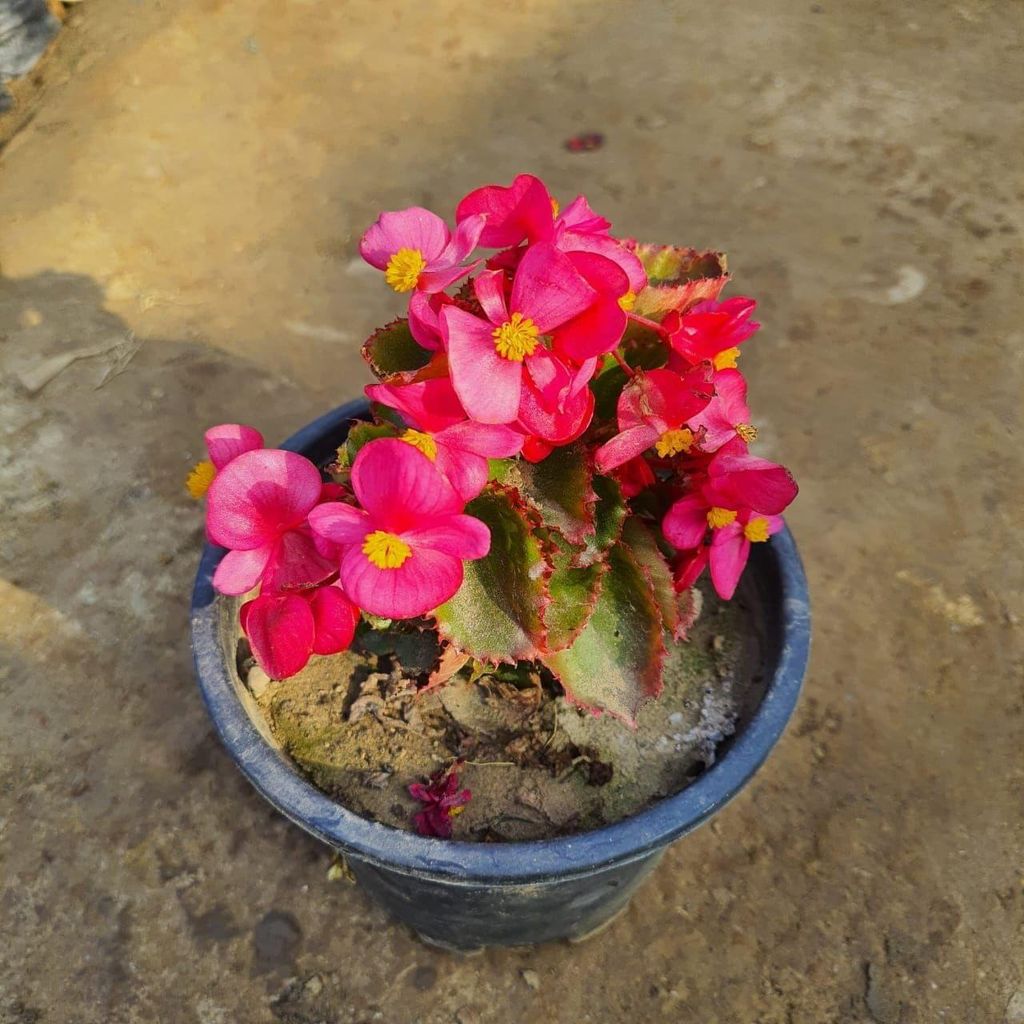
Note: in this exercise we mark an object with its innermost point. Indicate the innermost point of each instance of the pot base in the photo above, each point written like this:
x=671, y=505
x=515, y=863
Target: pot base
x=467, y=916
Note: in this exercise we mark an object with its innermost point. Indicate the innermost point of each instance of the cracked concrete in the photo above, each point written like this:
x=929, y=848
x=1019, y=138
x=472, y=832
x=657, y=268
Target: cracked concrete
x=181, y=203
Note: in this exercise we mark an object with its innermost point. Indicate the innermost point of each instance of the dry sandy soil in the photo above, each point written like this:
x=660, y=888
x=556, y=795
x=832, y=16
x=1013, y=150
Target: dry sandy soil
x=181, y=197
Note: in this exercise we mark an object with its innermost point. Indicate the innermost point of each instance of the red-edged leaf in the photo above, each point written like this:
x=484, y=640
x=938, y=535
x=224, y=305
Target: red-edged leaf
x=616, y=663
x=609, y=512
x=560, y=489
x=677, y=278
x=643, y=542
x=497, y=613
x=393, y=350
x=574, y=592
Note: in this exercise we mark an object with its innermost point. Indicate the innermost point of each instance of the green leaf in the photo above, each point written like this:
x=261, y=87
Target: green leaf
x=559, y=488
x=677, y=278
x=574, y=592
x=643, y=542
x=361, y=434
x=615, y=665
x=393, y=350
x=497, y=613
x=609, y=513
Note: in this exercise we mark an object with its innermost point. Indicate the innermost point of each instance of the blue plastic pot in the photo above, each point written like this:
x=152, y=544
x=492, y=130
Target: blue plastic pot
x=468, y=895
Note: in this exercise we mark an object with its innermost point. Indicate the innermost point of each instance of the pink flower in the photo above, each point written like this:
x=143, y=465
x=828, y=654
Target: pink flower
x=424, y=318
x=727, y=414
x=738, y=502
x=652, y=411
x=526, y=211
x=402, y=552
x=522, y=211
x=556, y=405
x=257, y=507
x=439, y=428
x=599, y=328
x=727, y=553
x=442, y=800
x=416, y=250
x=487, y=356
x=284, y=629
x=711, y=330
x=223, y=444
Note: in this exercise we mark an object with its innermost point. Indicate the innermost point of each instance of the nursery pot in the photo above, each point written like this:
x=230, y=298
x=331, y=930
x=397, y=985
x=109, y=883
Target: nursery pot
x=465, y=896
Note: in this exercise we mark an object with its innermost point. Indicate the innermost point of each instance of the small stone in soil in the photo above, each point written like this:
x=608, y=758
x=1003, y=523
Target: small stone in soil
x=531, y=977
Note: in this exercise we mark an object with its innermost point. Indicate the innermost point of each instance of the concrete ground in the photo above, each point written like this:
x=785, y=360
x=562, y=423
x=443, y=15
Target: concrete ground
x=180, y=201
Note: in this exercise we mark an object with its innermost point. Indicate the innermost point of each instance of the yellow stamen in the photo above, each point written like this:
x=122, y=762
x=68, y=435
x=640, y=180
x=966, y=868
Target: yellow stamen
x=628, y=301
x=516, y=338
x=423, y=442
x=747, y=431
x=199, y=480
x=454, y=811
x=726, y=360
x=385, y=550
x=756, y=530
x=672, y=442
x=719, y=517
x=554, y=207
x=404, y=269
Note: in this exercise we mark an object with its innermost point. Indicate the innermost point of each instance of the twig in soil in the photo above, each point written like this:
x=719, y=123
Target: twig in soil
x=491, y=764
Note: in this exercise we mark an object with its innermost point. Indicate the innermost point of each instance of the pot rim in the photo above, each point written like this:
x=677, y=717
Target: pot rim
x=633, y=838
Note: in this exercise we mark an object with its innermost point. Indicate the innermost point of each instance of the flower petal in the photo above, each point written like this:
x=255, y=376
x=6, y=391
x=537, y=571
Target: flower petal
x=686, y=524
x=239, y=571
x=280, y=628
x=548, y=289
x=464, y=241
x=413, y=228
x=487, y=384
x=521, y=210
x=423, y=322
x=297, y=564
x=628, y=445
x=597, y=330
x=610, y=249
x=399, y=486
x=339, y=523
x=740, y=480
x=466, y=472
x=492, y=440
x=426, y=404
x=729, y=552
x=425, y=580
x=432, y=281
x=259, y=495
x=335, y=619
x=463, y=536
x=230, y=440
x=490, y=292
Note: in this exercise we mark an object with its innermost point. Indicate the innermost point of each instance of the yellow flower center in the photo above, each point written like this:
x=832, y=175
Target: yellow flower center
x=404, y=269
x=424, y=442
x=719, y=517
x=672, y=442
x=756, y=530
x=554, y=207
x=199, y=480
x=516, y=338
x=726, y=360
x=628, y=301
x=385, y=550
x=747, y=431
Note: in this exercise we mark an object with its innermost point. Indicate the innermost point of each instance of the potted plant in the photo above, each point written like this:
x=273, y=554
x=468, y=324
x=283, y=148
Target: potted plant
x=557, y=449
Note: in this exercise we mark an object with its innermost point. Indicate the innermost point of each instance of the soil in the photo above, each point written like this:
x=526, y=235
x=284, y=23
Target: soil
x=362, y=726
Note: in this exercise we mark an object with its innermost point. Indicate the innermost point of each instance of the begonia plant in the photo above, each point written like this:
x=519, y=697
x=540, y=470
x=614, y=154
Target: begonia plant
x=559, y=446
